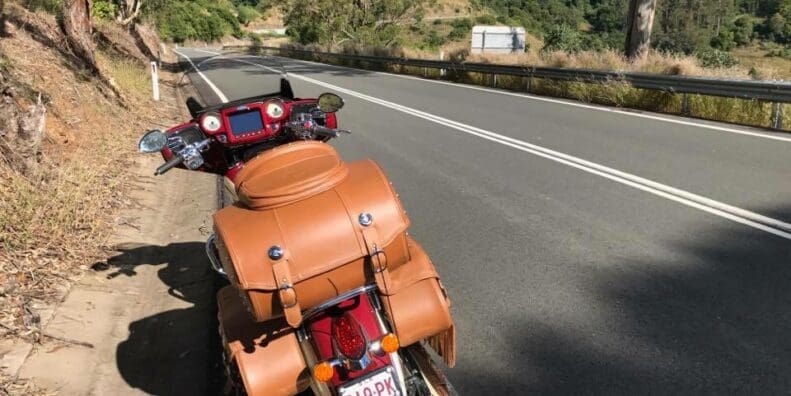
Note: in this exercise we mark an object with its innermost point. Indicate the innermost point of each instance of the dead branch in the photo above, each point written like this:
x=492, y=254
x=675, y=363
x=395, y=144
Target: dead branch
x=67, y=340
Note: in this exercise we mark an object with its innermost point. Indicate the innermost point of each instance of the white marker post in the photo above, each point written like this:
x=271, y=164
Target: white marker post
x=442, y=58
x=155, y=80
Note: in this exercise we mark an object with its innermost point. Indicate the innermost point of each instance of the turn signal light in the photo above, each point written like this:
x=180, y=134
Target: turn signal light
x=323, y=372
x=389, y=343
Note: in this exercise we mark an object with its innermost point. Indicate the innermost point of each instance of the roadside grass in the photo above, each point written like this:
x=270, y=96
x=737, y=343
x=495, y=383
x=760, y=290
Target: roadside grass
x=128, y=74
x=610, y=93
x=57, y=219
x=753, y=57
x=63, y=210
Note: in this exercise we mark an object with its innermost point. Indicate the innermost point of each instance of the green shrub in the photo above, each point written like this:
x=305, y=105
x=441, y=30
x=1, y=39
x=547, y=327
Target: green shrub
x=784, y=53
x=713, y=58
x=433, y=40
x=674, y=43
x=50, y=6
x=103, y=9
x=743, y=30
x=723, y=41
x=607, y=18
x=461, y=27
x=246, y=14
x=462, y=23
x=486, y=19
x=563, y=38
x=196, y=20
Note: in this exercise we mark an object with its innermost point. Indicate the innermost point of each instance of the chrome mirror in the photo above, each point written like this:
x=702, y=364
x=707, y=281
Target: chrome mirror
x=330, y=102
x=153, y=141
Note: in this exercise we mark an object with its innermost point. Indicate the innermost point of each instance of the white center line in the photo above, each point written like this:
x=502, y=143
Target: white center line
x=733, y=213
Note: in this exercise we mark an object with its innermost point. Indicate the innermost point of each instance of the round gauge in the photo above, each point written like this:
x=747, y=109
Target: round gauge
x=211, y=122
x=275, y=108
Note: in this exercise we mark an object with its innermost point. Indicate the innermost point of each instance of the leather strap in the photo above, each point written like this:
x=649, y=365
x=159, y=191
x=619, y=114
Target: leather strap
x=378, y=258
x=286, y=293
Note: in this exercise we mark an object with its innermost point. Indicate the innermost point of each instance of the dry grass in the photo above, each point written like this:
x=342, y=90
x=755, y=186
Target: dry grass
x=56, y=222
x=655, y=62
x=15, y=386
x=130, y=75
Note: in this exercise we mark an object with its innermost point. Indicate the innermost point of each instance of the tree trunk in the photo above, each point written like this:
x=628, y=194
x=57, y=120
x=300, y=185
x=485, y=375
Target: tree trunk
x=77, y=29
x=129, y=11
x=639, y=23
x=2, y=19
x=21, y=131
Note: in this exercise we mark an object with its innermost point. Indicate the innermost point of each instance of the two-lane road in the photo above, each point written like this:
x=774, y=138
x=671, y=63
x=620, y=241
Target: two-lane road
x=586, y=250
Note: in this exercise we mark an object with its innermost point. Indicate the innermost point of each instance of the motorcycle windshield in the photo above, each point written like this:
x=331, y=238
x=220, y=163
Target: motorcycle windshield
x=228, y=76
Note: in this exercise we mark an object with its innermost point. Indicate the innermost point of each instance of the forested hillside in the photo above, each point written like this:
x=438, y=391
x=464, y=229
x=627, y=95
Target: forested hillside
x=681, y=26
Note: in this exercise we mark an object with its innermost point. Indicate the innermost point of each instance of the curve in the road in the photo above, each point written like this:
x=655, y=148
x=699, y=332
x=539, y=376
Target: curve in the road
x=764, y=223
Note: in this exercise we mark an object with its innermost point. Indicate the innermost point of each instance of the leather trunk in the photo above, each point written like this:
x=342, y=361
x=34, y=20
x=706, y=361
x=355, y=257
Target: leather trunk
x=264, y=357
x=334, y=226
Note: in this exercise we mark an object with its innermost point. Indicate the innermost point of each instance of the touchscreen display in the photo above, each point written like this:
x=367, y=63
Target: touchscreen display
x=246, y=122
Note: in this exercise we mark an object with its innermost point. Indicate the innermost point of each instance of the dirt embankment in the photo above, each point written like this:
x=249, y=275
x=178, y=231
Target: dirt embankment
x=69, y=172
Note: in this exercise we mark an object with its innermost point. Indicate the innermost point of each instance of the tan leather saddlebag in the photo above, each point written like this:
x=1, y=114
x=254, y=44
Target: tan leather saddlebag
x=264, y=357
x=308, y=228
x=418, y=307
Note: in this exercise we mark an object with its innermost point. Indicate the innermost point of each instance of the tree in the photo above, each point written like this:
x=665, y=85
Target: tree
x=2, y=19
x=77, y=28
x=128, y=10
x=640, y=21
x=373, y=22
x=608, y=17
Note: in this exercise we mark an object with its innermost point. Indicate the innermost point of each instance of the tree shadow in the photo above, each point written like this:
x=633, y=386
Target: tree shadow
x=714, y=319
x=177, y=351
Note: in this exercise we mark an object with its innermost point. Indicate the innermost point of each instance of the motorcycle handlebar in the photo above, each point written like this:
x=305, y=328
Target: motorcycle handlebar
x=175, y=161
x=324, y=131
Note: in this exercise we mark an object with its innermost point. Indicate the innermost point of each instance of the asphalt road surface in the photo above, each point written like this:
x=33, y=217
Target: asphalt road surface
x=586, y=250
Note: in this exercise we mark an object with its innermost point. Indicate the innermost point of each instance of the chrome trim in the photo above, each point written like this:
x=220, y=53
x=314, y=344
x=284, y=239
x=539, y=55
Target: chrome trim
x=309, y=353
x=275, y=252
x=214, y=261
x=395, y=358
x=337, y=300
x=357, y=364
x=365, y=219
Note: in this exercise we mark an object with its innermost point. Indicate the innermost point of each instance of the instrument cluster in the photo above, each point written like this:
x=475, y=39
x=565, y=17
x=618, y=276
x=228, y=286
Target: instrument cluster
x=253, y=122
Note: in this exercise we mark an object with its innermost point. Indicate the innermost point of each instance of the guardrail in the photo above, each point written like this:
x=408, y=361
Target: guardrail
x=775, y=92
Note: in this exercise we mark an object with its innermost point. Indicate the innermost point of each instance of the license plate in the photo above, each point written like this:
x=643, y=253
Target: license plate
x=382, y=383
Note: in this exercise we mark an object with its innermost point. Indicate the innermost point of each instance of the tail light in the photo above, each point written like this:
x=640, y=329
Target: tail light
x=349, y=338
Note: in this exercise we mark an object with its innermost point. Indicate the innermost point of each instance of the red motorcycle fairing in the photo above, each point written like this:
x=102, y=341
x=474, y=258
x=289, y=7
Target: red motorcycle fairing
x=272, y=129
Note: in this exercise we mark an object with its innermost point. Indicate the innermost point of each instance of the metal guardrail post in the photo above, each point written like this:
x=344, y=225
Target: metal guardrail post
x=777, y=115
x=685, y=104
x=494, y=81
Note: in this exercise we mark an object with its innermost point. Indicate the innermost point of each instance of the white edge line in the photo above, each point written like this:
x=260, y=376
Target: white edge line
x=729, y=212
x=570, y=103
x=211, y=85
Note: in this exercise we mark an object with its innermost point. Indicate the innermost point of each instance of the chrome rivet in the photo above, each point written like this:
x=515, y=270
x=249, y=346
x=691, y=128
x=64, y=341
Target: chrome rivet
x=276, y=252
x=366, y=219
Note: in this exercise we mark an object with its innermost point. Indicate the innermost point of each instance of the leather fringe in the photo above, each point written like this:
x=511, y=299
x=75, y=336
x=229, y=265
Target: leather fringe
x=444, y=343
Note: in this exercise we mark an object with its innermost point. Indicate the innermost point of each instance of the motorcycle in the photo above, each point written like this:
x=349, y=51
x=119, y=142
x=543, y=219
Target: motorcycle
x=325, y=290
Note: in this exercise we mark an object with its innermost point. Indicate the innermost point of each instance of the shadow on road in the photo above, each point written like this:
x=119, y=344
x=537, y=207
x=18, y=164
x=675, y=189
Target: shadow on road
x=715, y=322
x=175, y=352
